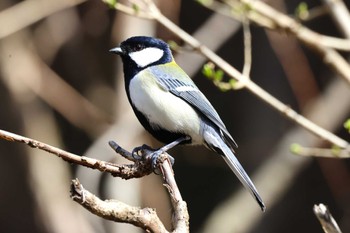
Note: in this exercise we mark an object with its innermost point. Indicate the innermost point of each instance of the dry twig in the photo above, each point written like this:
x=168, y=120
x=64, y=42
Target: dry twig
x=326, y=219
x=39, y=9
x=320, y=152
x=117, y=211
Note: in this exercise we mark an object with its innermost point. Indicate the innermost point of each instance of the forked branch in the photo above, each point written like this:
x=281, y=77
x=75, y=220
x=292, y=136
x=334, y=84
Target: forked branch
x=117, y=211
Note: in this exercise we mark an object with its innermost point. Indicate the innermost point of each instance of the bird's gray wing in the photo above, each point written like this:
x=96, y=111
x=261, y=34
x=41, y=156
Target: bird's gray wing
x=183, y=87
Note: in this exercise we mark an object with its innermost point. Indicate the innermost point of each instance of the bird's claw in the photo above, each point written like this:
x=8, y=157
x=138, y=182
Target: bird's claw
x=144, y=151
x=138, y=151
x=155, y=156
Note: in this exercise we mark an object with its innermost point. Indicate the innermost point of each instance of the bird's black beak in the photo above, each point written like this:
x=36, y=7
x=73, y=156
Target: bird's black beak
x=117, y=50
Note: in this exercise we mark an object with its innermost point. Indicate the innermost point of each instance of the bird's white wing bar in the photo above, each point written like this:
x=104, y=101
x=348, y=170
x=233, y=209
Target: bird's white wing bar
x=186, y=88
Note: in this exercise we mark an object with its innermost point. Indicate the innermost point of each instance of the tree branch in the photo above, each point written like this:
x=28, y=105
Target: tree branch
x=322, y=44
x=10, y=23
x=125, y=171
x=265, y=16
x=117, y=211
x=145, y=218
x=326, y=219
x=320, y=152
x=340, y=14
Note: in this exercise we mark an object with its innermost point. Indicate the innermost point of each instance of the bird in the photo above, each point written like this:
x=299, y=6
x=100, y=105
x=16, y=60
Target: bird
x=170, y=106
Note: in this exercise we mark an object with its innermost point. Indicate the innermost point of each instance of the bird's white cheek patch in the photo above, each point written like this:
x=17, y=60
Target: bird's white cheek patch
x=146, y=56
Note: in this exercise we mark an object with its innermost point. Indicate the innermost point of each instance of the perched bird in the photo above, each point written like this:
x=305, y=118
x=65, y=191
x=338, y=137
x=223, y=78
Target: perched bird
x=170, y=106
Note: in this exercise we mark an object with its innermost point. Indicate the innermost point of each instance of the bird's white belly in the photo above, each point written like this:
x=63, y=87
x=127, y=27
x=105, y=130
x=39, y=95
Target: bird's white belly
x=163, y=108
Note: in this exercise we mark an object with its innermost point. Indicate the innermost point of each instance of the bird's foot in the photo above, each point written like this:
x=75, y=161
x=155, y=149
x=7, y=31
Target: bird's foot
x=148, y=153
x=156, y=158
x=139, y=151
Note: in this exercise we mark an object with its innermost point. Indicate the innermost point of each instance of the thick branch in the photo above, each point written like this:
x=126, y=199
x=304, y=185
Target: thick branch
x=30, y=12
x=181, y=218
x=117, y=211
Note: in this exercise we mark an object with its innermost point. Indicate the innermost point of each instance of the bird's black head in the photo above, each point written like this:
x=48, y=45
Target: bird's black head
x=140, y=52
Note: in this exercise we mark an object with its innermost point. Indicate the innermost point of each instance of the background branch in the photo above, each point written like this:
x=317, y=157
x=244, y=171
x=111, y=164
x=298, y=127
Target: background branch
x=319, y=152
x=324, y=45
x=10, y=23
x=266, y=16
x=326, y=219
x=340, y=14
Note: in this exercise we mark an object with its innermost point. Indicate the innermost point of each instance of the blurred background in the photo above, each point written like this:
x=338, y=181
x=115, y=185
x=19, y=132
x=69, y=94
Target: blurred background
x=60, y=85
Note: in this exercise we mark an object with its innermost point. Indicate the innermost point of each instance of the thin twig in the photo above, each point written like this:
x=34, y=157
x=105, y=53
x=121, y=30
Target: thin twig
x=125, y=171
x=139, y=12
x=320, y=152
x=326, y=219
x=266, y=16
x=322, y=44
x=340, y=14
x=247, y=53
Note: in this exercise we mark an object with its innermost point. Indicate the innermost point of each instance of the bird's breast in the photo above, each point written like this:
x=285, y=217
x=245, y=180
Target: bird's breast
x=163, y=109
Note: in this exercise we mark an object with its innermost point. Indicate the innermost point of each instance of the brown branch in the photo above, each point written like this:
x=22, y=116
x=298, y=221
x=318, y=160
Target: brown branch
x=326, y=219
x=180, y=219
x=125, y=171
x=324, y=45
x=340, y=14
x=30, y=12
x=145, y=218
x=266, y=16
x=117, y=211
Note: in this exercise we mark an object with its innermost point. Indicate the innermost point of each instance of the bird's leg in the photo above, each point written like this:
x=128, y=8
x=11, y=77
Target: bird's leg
x=165, y=148
x=146, y=151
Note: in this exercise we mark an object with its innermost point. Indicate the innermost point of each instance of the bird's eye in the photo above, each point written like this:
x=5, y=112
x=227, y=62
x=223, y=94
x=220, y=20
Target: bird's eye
x=138, y=47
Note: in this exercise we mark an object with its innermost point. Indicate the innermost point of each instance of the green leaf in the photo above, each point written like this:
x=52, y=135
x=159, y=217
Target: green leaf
x=205, y=2
x=135, y=7
x=219, y=74
x=335, y=150
x=208, y=70
x=111, y=3
x=295, y=148
x=302, y=10
x=233, y=82
x=173, y=45
x=347, y=125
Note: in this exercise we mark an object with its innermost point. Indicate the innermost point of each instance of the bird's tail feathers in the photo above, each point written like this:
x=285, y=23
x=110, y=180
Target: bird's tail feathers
x=237, y=168
x=219, y=143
